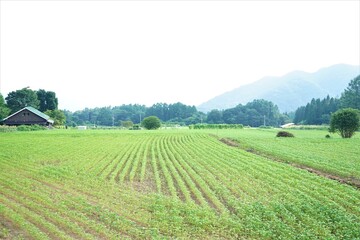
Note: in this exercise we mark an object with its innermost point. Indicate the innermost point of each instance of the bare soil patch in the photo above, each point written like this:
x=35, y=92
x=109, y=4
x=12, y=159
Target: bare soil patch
x=146, y=186
x=230, y=142
x=9, y=230
x=350, y=181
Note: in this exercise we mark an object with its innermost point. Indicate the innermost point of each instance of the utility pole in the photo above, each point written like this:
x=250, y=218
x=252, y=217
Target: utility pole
x=264, y=121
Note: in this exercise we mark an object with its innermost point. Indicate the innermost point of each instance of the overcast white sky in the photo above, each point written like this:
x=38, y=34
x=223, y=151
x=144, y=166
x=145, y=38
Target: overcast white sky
x=102, y=53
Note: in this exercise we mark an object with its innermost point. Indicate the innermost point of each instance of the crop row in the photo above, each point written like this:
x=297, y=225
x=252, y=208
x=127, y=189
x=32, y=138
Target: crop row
x=198, y=168
x=87, y=188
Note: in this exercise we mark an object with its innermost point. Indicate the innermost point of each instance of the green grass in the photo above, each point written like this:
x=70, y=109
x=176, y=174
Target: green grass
x=336, y=156
x=185, y=184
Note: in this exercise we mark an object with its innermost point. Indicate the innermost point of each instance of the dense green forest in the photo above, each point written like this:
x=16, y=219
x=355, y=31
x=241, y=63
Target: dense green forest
x=254, y=114
x=318, y=111
x=113, y=116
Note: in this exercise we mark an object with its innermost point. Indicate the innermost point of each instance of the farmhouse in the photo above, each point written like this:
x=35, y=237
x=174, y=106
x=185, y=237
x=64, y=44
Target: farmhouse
x=28, y=116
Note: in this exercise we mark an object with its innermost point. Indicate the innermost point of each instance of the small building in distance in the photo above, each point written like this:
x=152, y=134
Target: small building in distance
x=287, y=125
x=28, y=116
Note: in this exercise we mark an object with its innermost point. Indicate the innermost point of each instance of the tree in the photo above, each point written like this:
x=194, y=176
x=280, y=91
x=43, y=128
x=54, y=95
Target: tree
x=253, y=114
x=350, y=98
x=105, y=117
x=41, y=95
x=47, y=99
x=58, y=116
x=171, y=112
x=160, y=110
x=214, y=116
x=127, y=124
x=345, y=121
x=151, y=122
x=19, y=99
x=51, y=100
x=317, y=111
x=4, y=110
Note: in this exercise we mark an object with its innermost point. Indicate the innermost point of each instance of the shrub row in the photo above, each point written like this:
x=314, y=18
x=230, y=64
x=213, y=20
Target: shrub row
x=309, y=127
x=30, y=128
x=7, y=129
x=216, y=126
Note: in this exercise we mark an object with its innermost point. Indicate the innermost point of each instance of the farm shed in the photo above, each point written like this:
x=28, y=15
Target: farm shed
x=28, y=116
x=287, y=125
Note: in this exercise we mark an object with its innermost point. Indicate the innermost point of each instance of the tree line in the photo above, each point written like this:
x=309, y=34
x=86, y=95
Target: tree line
x=318, y=111
x=256, y=113
x=114, y=116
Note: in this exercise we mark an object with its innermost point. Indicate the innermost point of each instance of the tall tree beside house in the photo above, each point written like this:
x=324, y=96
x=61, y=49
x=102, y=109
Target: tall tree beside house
x=48, y=100
x=41, y=95
x=4, y=110
x=350, y=98
x=19, y=99
x=58, y=116
x=51, y=100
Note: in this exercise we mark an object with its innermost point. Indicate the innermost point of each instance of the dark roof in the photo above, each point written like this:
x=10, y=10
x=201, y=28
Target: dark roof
x=34, y=111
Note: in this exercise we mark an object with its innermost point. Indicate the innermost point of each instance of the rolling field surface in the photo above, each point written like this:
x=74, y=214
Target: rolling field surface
x=336, y=156
x=160, y=185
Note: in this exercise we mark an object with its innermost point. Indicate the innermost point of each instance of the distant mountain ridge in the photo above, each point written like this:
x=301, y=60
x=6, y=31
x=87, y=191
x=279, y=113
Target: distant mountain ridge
x=290, y=91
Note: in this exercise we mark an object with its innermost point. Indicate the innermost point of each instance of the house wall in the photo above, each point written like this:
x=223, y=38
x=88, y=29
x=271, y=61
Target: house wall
x=25, y=117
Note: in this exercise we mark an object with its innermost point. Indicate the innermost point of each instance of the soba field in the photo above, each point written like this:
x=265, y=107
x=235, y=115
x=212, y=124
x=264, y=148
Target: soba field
x=178, y=184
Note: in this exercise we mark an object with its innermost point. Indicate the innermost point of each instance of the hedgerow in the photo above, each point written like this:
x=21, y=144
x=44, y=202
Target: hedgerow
x=216, y=126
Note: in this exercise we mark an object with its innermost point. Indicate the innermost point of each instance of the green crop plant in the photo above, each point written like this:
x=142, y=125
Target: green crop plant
x=177, y=184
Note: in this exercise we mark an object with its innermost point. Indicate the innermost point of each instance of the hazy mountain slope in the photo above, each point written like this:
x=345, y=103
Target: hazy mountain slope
x=289, y=91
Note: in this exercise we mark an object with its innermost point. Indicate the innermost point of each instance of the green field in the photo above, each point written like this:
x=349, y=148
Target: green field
x=108, y=184
x=335, y=156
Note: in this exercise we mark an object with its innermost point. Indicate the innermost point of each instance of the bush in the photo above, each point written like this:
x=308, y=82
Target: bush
x=135, y=127
x=23, y=128
x=327, y=136
x=265, y=127
x=30, y=128
x=345, y=122
x=151, y=123
x=284, y=134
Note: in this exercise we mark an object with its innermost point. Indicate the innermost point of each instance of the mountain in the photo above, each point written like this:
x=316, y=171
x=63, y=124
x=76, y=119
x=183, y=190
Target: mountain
x=290, y=91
